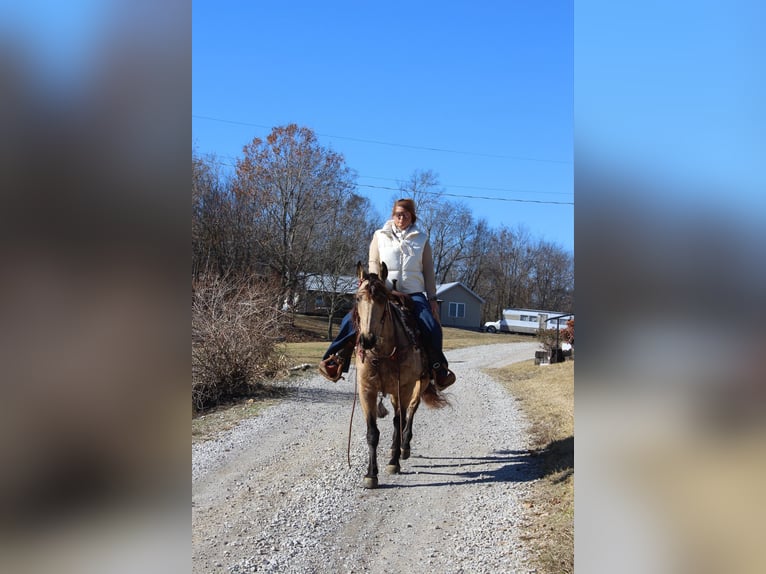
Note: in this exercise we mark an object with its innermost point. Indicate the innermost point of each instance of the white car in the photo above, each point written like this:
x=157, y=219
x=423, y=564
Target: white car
x=493, y=326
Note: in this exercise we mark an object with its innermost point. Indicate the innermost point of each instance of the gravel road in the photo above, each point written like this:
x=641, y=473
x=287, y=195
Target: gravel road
x=275, y=494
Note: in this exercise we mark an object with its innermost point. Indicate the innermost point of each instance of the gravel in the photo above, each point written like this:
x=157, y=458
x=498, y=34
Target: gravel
x=275, y=494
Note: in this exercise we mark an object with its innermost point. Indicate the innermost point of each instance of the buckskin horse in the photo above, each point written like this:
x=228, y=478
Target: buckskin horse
x=391, y=361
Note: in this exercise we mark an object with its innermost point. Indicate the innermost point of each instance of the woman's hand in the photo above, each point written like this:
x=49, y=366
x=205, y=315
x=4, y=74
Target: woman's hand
x=435, y=310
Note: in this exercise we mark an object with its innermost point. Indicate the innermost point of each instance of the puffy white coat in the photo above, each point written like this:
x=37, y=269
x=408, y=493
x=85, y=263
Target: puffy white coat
x=402, y=253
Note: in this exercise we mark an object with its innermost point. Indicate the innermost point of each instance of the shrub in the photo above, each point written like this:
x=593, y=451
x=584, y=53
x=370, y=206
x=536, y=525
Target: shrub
x=567, y=334
x=547, y=337
x=235, y=328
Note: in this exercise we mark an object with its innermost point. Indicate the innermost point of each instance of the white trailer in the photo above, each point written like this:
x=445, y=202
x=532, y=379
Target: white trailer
x=526, y=321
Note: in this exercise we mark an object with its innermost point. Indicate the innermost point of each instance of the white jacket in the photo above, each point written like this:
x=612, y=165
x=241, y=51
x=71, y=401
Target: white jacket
x=402, y=252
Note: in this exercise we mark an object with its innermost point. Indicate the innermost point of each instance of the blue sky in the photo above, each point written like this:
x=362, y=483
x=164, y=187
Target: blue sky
x=479, y=93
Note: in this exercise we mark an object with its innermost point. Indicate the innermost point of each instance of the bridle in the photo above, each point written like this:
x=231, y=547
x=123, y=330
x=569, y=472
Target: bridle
x=387, y=314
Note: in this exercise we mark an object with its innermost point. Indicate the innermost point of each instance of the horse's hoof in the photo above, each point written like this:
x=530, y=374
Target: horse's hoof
x=370, y=482
x=393, y=469
x=405, y=453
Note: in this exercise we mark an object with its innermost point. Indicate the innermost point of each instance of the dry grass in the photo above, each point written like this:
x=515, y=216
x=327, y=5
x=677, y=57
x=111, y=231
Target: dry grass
x=311, y=352
x=460, y=338
x=546, y=395
x=302, y=353
x=223, y=418
x=315, y=330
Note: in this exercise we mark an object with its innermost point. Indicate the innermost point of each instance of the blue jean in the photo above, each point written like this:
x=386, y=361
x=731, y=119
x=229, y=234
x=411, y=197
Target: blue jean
x=429, y=328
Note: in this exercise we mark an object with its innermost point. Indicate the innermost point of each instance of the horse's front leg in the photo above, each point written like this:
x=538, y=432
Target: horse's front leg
x=410, y=417
x=373, y=434
x=407, y=438
x=396, y=443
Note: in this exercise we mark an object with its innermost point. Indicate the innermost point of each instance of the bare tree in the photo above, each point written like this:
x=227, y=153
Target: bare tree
x=520, y=261
x=424, y=188
x=346, y=241
x=291, y=186
x=553, y=277
x=451, y=231
x=212, y=229
x=449, y=225
x=506, y=261
x=471, y=269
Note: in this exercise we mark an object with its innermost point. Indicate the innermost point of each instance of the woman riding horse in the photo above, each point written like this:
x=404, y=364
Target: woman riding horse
x=389, y=362
x=406, y=251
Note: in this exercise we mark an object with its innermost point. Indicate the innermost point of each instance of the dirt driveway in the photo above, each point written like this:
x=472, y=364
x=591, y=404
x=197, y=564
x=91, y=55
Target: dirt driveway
x=276, y=494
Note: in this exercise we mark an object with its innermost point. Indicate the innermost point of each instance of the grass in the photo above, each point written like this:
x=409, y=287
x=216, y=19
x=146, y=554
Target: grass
x=315, y=329
x=305, y=353
x=546, y=395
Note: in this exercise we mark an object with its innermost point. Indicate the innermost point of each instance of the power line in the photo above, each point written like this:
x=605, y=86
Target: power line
x=474, y=196
x=462, y=196
x=446, y=185
x=507, y=190
x=394, y=144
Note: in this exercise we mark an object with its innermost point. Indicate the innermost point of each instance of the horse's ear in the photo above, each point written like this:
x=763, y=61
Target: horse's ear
x=359, y=270
x=383, y=271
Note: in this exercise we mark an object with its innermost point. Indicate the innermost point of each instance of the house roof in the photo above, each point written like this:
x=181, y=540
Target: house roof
x=444, y=287
x=341, y=284
x=348, y=284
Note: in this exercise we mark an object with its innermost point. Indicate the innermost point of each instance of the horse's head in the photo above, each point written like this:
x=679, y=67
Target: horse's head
x=370, y=306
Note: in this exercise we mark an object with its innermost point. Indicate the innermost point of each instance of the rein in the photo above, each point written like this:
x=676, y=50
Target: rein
x=350, y=423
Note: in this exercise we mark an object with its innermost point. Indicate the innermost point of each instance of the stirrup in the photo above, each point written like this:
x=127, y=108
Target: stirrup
x=332, y=368
x=442, y=376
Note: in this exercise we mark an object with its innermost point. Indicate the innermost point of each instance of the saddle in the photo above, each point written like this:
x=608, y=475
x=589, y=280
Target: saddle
x=404, y=308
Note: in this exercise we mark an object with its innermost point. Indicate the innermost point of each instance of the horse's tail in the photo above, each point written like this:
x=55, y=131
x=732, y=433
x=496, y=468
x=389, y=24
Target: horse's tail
x=433, y=398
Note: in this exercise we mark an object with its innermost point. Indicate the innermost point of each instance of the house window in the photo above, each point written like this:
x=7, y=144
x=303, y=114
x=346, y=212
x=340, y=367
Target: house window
x=457, y=310
x=319, y=302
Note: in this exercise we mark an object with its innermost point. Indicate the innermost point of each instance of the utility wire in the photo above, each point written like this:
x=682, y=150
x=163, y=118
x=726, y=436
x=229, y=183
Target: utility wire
x=474, y=196
x=393, y=144
x=461, y=196
x=446, y=185
x=507, y=190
